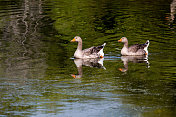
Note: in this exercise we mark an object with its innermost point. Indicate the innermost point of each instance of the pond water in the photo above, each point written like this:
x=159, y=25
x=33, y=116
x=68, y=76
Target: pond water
x=40, y=77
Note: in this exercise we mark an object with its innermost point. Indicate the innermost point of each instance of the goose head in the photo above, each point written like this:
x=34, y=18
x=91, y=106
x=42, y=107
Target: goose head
x=123, y=39
x=76, y=39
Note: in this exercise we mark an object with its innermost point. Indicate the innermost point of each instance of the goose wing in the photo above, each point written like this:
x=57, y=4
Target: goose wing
x=93, y=50
x=88, y=51
x=136, y=47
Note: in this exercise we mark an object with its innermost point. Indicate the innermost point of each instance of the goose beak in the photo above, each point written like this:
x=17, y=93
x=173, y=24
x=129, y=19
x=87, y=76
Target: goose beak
x=120, y=69
x=120, y=40
x=73, y=40
x=74, y=76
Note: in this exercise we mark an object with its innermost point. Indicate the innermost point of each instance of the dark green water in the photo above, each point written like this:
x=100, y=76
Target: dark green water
x=37, y=65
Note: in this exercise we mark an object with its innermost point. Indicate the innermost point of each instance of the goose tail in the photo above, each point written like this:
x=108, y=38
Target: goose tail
x=104, y=45
x=147, y=43
x=146, y=47
x=101, y=53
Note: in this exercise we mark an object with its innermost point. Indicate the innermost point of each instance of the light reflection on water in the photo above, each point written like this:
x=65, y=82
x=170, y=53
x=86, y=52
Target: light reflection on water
x=35, y=64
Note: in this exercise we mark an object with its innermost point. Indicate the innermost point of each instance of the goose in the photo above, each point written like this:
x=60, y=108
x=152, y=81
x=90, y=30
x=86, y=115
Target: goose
x=134, y=50
x=92, y=52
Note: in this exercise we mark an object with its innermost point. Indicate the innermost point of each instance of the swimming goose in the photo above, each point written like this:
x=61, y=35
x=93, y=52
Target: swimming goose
x=92, y=52
x=134, y=50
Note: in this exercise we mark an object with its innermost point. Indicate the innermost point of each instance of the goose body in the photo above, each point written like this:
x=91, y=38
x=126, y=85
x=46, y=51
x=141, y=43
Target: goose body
x=92, y=52
x=134, y=50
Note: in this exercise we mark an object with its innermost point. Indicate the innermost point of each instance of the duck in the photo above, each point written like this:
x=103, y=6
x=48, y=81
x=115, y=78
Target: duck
x=134, y=50
x=92, y=52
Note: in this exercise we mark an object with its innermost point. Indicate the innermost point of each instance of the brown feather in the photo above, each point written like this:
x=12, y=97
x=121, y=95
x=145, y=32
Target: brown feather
x=136, y=47
x=92, y=50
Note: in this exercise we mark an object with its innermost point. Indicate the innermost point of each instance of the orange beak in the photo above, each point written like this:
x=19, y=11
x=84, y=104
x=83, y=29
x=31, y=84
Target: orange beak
x=74, y=76
x=120, y=40
x=73, y=40
x=120, y=69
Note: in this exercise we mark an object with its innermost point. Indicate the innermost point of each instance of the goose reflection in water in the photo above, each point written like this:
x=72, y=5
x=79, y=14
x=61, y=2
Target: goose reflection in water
x=171, y=17
x=97, y=63
x=134, y=59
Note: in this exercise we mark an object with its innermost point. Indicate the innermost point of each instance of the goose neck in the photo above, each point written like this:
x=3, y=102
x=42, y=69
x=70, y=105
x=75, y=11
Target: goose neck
x=126, y=44
x=79, y=45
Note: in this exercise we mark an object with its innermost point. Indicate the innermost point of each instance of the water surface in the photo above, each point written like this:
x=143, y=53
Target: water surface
x=39, y=77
